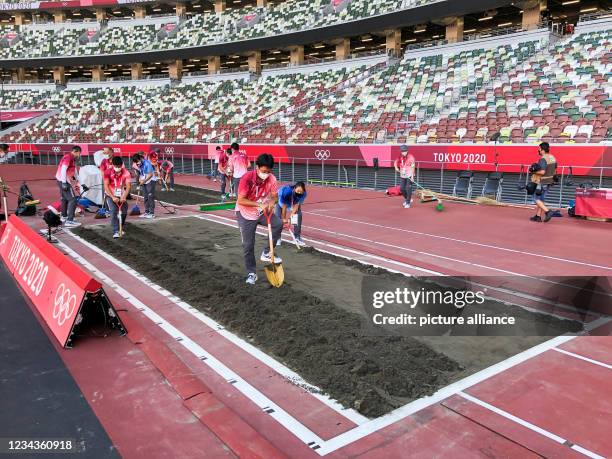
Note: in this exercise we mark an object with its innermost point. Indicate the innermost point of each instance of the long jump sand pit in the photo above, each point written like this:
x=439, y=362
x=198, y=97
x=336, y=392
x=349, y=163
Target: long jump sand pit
x=313, y=324
x=187, y=195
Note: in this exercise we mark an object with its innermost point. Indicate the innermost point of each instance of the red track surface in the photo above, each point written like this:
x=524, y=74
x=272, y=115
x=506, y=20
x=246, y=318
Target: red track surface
x=156, y=397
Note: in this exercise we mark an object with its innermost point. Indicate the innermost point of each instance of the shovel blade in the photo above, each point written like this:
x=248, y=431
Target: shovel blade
x=275, y=275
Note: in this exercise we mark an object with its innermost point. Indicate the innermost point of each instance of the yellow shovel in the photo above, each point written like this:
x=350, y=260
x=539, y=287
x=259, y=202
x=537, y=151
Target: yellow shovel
x=274, y=271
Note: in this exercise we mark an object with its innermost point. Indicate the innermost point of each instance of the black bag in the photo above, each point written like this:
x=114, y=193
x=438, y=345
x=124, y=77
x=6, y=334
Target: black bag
x=25, y=196
x=531, y=188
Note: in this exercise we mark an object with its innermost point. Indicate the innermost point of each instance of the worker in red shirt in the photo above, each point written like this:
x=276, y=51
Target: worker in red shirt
x=166, y=170
x=405, y=166
x=257, y=196
x=239, y=164
x=105, y=164
x=117, y=183
x=69, y=186
x=222, y=170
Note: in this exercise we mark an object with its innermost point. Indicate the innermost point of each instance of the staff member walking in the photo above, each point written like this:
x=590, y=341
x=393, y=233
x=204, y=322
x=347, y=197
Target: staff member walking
x=405, y=166
x=148, y=180
x=257, y=195
x=215, y=170
x=542, y=179
x=67, y=183
x=222, y=170
x=240, y=165
x=289, y=208
x=117, y=183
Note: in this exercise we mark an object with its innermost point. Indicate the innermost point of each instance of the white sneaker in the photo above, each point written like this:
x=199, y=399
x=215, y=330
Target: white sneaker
x=300, y=242
x=63, y=219
x=278, y=243
x=71, y=224
x=171, y=189
x=116, y=235
x=265, y=257
x=251, y=278
x=406, y=205
x=143, y=215
x=150, y=216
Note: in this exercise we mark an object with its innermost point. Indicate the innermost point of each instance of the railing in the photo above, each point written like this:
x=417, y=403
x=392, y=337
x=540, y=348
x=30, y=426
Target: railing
x=356, y=173
x=596, y=16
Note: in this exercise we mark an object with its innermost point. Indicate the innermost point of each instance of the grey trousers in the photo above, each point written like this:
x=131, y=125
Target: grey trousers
x=248, y=229
x=114, y=209
x=223, y=179
x=235, y=183
x=406, y=188
x=68, y=199
x=149, y=197
x=297, y=229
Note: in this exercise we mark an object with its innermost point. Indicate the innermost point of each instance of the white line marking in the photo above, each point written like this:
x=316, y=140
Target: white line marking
x=582, y=357
x=530, y=426
x=397, y=415
x=281, y=369
x=284, y=418
x=478, y=244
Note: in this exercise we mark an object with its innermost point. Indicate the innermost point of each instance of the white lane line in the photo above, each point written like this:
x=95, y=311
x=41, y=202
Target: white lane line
x=456, y=260
x=478, y=244
x=582, y=357
x=374, y=425
x=531, y=426
x=281, y=369
x=264, y=403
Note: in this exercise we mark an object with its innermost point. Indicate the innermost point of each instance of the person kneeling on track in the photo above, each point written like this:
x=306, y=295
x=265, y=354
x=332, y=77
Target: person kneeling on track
x=148, y=180
x=257, y=196
x=289, y=208
x=542, y=178
x=166, y=169
x=117, y=183
x=68, y=185
x=405, y=166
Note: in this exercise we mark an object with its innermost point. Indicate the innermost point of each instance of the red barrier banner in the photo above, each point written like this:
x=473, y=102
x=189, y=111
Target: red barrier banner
x=585, y=159
x=20, y=115
x=56, y=286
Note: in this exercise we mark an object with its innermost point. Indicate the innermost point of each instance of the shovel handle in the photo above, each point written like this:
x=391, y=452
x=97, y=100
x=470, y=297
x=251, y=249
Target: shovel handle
x=268, y=215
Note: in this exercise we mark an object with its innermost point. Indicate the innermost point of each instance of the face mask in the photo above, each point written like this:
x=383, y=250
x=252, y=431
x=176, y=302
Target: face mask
x=262, y=175
x=117, y=169
x=404, y=153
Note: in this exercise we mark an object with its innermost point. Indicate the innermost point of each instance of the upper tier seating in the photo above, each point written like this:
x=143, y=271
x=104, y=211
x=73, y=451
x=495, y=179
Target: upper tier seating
x=208, y=28
x=525, y=91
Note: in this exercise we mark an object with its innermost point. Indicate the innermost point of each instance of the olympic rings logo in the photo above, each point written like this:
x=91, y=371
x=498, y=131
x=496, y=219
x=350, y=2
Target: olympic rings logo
x=64, y=304
x=322, y=155
x=56, y=149
x=170, y=150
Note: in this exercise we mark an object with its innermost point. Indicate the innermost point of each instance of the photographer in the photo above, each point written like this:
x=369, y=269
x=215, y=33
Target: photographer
x=542, y=178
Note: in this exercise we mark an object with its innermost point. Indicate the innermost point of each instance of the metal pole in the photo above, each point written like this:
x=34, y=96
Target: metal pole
x=192, y=164
x=339, y=180
x=323, y=171
x=442, y=178
x=280, y=171
x=182, y=163
x=307, y=170
x=293, y=170
x=601, y=177
x=357, y=173
x=561, y=190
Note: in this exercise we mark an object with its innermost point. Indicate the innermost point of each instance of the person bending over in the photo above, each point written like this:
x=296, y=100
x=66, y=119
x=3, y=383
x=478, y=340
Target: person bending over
x=117, y=183
x=405, y=166
x=240, y=165
x=68, y=186
x=257, y=195
x=166, y=169
x=542, y=178
x=289, y=208
x=147, y=180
